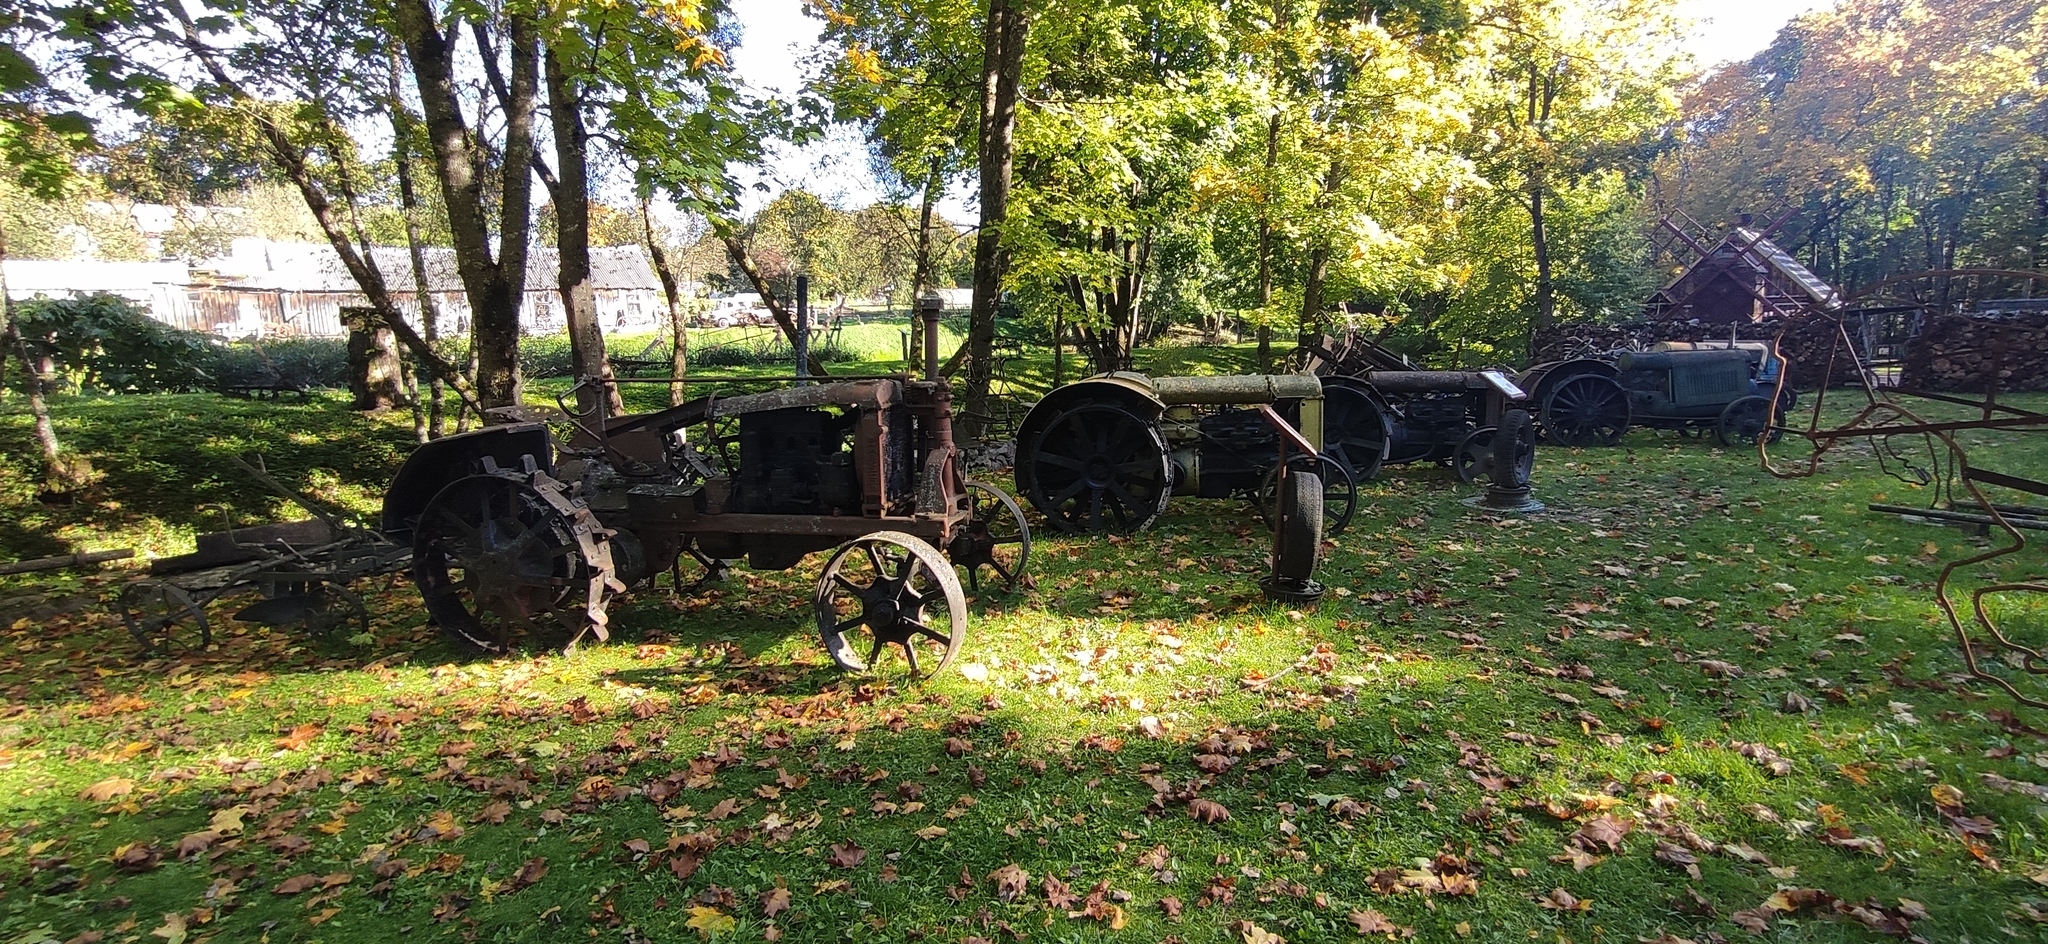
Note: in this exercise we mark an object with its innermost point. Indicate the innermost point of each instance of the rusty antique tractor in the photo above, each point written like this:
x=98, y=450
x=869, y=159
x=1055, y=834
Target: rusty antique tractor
x=516, y=530
x=1105, y=454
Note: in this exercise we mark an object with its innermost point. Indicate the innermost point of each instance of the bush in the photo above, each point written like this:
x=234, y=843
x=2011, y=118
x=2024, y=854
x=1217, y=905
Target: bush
x=107, y=343
x=308, y=362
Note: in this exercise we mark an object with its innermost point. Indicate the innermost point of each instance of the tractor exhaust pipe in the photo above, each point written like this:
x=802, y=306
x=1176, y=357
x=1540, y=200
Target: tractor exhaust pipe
x=928, y=311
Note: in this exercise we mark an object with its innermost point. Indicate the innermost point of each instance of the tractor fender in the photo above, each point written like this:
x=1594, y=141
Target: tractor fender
x=435, y=464
x=1539, y=379
x=1129, y=390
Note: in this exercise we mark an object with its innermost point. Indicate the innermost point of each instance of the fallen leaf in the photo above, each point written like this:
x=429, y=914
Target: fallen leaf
x=1560, y=900
x=1010, y=882
x=846, y=855
x=708, y=921
x=774, y=902
x=1370, y=921
x=108, y=789
x=1207, y=811
x=173, y=929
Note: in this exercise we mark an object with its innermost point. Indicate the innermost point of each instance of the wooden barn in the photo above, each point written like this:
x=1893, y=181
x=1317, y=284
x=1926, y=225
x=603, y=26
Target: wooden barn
x=1744, y=278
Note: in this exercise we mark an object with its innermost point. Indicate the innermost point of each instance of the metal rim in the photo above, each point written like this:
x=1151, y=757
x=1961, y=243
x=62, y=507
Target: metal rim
x=1474, y=457
x=493, y=558
x=1355, y=430
x=164, y=618
x=1745, y=421
x=1340, y=491
x=997, y=537
x=1514, y=450
x=1586, y=410
x=891, y=585
x=1099, y=468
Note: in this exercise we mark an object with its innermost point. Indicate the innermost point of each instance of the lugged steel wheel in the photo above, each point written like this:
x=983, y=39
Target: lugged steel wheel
x=163, y=618
x=893, y=590
x=1340, y=491
x=997, y=538
x=1356, y=430
x=1098, y=468
x=1586, y=410
x=1747, y=420
x=1514, y=451
x=494, y=557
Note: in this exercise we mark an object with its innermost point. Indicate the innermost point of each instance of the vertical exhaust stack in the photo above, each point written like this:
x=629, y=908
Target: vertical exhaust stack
x=928, y=310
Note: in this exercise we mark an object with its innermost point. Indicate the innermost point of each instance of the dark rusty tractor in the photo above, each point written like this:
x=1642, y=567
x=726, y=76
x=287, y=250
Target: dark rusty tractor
x=514, y=529
x=1105, y=454
x=1694, y=387
x=1381, y=409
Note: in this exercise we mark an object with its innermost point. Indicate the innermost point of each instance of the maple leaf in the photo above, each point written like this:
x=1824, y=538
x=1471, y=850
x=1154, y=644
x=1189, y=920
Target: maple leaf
x=709, y=922
x=774, y=901
x=1370, y=921
x=173, y=929
x=297, y=884
x=493, y=813
x=299, y=736
x=725, y=808
x=1010, y=882
x=1753, y=920
x=136, y=857
x=1679, y=856
x=108, y=789
x=528, y=875
x=1560, y=900
x=1058, y=894
x=1579, y=859
x=1606, y=830
x=1253, y=934
x=846, y=855
x=1207, y=811
x=228, y=822
x=1171, y=905
x=196, y=843
x=931, y=832
x=685, y=864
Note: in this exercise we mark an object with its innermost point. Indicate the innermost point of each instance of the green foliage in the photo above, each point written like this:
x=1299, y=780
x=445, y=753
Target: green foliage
x=106, y=343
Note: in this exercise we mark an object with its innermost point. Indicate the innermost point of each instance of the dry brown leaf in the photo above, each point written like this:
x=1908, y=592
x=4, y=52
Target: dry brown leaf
x=1207, y=811
x=1010, y=882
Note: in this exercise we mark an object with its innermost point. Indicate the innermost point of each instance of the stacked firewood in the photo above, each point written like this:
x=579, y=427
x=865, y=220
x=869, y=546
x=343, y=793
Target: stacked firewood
x=1972, y=353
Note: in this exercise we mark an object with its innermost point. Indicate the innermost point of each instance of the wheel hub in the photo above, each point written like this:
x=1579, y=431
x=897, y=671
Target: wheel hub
x=1099, y=471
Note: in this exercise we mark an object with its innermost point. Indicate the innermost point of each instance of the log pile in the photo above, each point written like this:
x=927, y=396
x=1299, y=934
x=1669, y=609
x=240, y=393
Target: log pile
x=1962, y=352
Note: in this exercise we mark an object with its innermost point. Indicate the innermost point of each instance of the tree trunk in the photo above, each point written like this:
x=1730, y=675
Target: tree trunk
x=737, y=252
x=1266, y=243
x=572, y=241
x=678, y=336
x=1002, y=66
x=376, y=379
x=495, y=283
x=62, y=473
x=921, y=263
x=291, y=161
x=415, y=244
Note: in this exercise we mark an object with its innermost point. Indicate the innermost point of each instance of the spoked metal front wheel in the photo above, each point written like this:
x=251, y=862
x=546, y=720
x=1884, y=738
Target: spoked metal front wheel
x=890, y=590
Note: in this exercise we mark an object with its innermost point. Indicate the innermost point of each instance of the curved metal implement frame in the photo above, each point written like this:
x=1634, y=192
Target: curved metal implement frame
x=1883, y=420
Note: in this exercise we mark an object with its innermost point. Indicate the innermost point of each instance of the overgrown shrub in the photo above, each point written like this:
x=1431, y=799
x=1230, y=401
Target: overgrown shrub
x=107, y=343
x=307, y=362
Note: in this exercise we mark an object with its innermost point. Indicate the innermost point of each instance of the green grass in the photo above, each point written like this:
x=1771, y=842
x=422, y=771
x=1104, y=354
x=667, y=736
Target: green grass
x=1467, y=674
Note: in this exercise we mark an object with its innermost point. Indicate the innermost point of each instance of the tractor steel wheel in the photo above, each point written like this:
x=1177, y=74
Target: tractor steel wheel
x=997, y=538
x=1514, y=451
x=1340, y=491
x=1586, y=410
x=1474, y=458
x=1298, y=538
x=1098, y=468
x=494, y=557
x=163, y=618
x=1356, y=430
x=1745, y=421
x=896, y=591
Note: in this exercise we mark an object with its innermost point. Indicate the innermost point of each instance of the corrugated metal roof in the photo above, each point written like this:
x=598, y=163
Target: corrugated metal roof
x=315, y=267
x=27, y=277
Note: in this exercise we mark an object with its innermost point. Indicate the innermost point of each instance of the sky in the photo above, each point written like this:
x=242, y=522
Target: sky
x=778, y=39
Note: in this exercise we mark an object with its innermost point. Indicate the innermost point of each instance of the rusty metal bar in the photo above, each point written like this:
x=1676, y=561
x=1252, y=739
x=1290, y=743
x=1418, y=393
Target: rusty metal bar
x=2016, y=422
x=1246, y=389
x=1288, y=434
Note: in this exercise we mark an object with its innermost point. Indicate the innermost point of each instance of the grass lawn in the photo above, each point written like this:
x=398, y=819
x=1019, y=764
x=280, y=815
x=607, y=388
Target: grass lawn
x=1689, y=701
